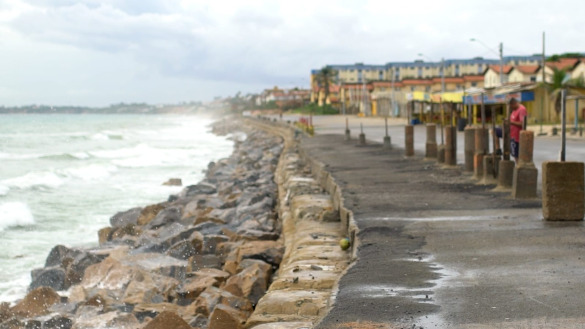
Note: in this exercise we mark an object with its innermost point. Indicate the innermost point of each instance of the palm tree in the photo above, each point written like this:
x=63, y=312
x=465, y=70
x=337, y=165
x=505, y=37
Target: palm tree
x=557, y=84
x=325, y=78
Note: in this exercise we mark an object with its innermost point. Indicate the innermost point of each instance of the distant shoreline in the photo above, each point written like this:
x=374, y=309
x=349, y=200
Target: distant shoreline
x=190, y=108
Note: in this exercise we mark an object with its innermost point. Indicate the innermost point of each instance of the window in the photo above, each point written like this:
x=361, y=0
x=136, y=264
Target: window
x=420, y=72
x=427, y=88
x=479, y=68
x=382, y=89
x=381, y=75
x=412, y=88
x=474, y=84
x=532, y=79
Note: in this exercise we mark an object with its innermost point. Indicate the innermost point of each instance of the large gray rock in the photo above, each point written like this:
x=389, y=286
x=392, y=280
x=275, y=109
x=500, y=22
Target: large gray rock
x=201, y=188
x=127, y=217
x=52, y=277
x=165, y=217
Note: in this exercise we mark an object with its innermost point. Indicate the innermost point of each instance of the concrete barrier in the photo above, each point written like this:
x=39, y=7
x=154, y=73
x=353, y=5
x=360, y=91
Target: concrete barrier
x=451, y=146
x=563, y=191
x=505, y=175
x=362, y=139
x=469, y=135
x=441, y=154
x=488, y=170
x=386, y=143
x=409, y=140
x=431, y=145
x=481, y=146
x=347, y=134
x=525, y=173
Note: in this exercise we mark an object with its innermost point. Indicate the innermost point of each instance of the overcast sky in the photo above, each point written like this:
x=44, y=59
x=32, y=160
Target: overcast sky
x=99, y=52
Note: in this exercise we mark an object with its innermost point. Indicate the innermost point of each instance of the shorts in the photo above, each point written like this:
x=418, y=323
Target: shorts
x=514, y=147
x=498, y=132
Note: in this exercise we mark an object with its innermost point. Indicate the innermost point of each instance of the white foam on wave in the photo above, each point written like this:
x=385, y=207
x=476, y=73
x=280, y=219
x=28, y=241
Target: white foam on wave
x=91, y=172
x=35, y=179
x=4, y=190
x=81, y=155
x=107, y=135
x=15, y=214
x=12, y=156
x=122, y=153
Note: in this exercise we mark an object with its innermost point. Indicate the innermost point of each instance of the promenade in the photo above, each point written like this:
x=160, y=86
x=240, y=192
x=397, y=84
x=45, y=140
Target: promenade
x=435, y=250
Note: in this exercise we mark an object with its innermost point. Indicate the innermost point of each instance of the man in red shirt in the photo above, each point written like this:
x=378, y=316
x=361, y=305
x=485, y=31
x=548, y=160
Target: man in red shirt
x=516, y=121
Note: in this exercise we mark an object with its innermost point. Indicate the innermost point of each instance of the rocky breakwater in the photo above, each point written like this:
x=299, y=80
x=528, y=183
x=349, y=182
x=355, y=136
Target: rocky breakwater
x=202, y=259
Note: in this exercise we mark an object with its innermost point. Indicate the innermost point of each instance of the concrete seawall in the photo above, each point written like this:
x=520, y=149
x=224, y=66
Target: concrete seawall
x=314, y=219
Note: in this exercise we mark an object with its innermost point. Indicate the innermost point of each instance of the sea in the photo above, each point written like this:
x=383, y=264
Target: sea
x=63, y=176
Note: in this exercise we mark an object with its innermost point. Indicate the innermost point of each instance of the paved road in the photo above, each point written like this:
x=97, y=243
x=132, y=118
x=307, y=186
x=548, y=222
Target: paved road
x=545, y=149
x=438, y=251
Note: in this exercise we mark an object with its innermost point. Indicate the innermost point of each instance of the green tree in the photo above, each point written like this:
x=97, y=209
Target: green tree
x=325, y=78
x=560, y=81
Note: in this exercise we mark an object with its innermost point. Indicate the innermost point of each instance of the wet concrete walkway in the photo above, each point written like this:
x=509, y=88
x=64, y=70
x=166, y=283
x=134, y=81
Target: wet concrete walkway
x=438, y=251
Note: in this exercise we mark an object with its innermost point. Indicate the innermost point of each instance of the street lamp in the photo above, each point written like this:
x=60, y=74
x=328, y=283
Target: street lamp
x=501, y=54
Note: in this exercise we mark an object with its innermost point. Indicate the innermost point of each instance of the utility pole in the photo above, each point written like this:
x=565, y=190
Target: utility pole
x=393, y=103
x=442, y=76
x=543, y=84
x=501, y=63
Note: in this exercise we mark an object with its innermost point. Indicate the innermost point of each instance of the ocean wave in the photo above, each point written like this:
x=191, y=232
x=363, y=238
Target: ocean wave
x=123, y=152
x=67, y=156
x=94, y=171
x=13, y=156
x=107, y=135
x=4, y=190
x=15, y=214
x=35, y=179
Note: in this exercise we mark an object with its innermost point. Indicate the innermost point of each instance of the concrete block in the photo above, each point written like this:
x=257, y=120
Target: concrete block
x=505, y=174
x=563, y=191
x=478, y=166
x=441, y=154
x=488, y=170
x=387, y=144
x=431, y=150
x=524, y=182
x=362, y=139
x=451, y=146
x=347, y=134
x=409, y=140
x=469, y=135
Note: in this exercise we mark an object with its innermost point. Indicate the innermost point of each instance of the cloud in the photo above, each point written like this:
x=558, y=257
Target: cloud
x=255, y=43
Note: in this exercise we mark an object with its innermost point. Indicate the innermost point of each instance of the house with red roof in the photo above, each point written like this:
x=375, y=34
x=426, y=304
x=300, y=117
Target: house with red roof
x=491, y=76
x=524, y=73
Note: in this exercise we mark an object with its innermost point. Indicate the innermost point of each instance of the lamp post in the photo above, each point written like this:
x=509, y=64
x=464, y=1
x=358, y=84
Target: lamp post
x=500, y=53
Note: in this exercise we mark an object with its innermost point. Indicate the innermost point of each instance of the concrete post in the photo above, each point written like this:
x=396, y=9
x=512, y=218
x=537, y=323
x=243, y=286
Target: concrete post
x=347, y=131
x=362, y=135
x=387, y=144
x=409, y=140
x=563, y=191
x=525, y=174
x=481, y=146
x=488, y=169
x=469, y=135
x=505, y=174
x=431, y=146
x=450, y=145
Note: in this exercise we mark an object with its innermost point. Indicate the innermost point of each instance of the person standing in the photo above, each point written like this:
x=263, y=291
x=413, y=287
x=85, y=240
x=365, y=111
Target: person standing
x=517, y=115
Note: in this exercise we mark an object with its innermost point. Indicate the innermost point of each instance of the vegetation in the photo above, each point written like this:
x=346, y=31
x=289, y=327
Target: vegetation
x=315, y=109
x=559, y=82
x=556, y=57
x=325, y=78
